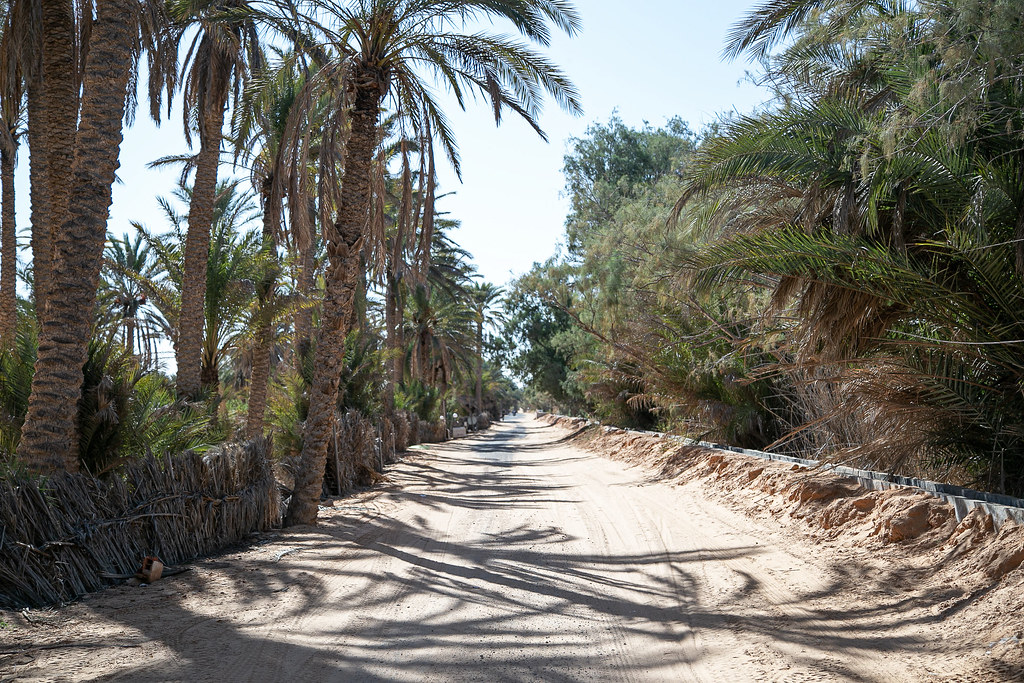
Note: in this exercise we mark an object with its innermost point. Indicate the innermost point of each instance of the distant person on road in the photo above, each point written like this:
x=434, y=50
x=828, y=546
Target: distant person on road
x=471, y=421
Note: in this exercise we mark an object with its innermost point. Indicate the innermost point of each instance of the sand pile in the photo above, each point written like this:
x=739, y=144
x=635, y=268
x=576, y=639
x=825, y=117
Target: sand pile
x=913, y=532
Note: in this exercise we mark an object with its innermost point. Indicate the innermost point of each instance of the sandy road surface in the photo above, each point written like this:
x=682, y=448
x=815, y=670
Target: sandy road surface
x=506, y=556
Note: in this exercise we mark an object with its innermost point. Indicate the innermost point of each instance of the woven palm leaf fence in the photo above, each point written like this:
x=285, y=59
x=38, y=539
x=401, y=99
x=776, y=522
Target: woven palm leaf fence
x=360, y=448
x=59, y=535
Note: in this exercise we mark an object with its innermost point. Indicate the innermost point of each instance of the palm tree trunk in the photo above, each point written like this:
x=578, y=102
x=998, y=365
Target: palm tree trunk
x=423, y=356
x=479, y=366
x=8, y=251
x=39, y=196
x=304, y=317
x=60, y=101
x=53, y=118
x=414, y=356
x=359, y=320
x=344, y=248
x=260, y=377
x=258, y=381
x=398, y=367
x=408, y=213
x=48, y=437
x=189, y=342
x=129, y=333
x=389, y=331
x=393, y=321
x=209, y=372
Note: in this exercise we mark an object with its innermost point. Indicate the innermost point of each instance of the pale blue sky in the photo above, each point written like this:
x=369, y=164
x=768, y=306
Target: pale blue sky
x=650, y=59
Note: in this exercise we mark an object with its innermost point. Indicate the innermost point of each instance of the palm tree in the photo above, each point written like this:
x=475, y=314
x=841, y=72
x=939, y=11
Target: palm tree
x=126, y=264
x=41, y=48
x=890, y=213
x=482, y=298
x=234, y=256
x=386, y=47
x=8, y=239
x=12, y=109
x=396, y=212
x=262, y=120
x=120, y=29
x=440, y=330
x=225, y=49
x=276, y=129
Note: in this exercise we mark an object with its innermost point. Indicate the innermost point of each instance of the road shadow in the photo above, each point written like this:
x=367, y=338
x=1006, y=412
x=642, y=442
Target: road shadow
x=484, y=589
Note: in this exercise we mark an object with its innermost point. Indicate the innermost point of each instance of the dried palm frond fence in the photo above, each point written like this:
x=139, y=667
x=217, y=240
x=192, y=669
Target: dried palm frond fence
x=59, y=535
x=360, y=448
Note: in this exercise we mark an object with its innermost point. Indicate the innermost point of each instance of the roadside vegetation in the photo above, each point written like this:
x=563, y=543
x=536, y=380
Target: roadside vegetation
x=836, y=275
x=306, y=267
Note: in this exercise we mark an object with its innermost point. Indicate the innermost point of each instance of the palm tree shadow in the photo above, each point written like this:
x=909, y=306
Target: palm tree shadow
x=497, y=601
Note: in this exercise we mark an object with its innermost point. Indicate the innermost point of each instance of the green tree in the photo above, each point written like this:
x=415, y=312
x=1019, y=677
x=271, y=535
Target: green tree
x=543, y=340
x=261, y=127
x=234, y=256
x=225, y=49
x=388, y=47
x=880, y=204
x=123, y=298
x=119, y=31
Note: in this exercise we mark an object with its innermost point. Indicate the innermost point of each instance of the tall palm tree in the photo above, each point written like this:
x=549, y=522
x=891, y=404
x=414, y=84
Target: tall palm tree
x=224, y=51
x=277, y=127
x=12, y=110
x=482, y=298
x=259, y=140
x=397, y=211
x=8, y=240
x=388, y=47
x=441, y=321
x=42, y=47
x=22, y=60
x=440, y=329
x=118, y=34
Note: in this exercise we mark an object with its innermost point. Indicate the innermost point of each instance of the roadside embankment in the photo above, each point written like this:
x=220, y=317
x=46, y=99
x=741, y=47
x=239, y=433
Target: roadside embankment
x=917, y=533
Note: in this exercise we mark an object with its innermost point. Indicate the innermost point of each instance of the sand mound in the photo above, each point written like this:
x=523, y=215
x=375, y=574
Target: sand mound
x=909, y=531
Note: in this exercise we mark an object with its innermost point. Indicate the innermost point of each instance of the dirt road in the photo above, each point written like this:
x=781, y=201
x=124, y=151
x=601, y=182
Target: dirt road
x=507, y=556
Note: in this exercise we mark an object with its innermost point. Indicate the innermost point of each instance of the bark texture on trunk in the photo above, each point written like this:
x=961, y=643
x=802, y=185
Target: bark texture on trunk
x=189, y=342
x=129, y=332
x=421, y=357
x=60, y=101
x=39, y=197
x=209, y=372
x=393, y=322
x=8, y=251
x=258, y=381
x=359, y=306
x=304, y=317
x=344, y=248
x=260, y=377
x=48, y=438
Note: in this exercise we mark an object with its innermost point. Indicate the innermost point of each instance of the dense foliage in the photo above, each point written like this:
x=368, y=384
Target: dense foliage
x=242, y=283
x=839, y=273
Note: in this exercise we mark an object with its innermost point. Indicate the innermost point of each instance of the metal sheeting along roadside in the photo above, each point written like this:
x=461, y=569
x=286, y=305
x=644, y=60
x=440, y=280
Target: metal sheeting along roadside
x=963, y=500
